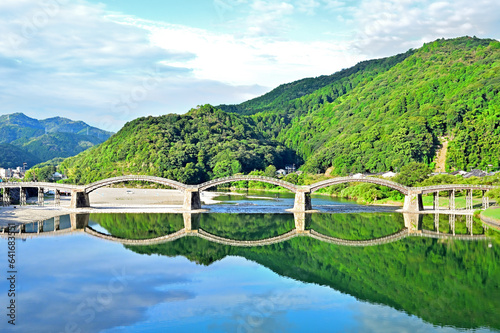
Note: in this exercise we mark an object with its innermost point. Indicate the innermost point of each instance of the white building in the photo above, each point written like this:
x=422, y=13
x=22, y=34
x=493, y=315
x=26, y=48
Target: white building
x=5, y=173
x=281, y=172
x=388, y=174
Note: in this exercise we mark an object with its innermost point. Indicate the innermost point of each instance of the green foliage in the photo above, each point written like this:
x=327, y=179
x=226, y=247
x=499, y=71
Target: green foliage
x=413, y=173
x=376, y=116
x=42, y=174
x=12, y=156
x=205, y=143
x=383, y=114
x=270, y=171
x=494, y=194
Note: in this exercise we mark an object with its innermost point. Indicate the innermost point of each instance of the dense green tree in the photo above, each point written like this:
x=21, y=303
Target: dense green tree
x=383, y=114
x=413, y=173
x=205, y=143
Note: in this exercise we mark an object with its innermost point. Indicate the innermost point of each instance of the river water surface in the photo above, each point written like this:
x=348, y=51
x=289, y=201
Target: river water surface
x=76, y=282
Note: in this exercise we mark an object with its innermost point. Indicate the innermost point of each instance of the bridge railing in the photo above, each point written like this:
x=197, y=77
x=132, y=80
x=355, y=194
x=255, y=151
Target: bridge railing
x=454, y=186
x=271, y=180
x=379, y=181
x=38, y=184
x=159, y=180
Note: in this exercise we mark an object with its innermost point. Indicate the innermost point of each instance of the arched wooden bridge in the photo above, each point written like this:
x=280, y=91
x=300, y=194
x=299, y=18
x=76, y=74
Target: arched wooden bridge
x=412, y=203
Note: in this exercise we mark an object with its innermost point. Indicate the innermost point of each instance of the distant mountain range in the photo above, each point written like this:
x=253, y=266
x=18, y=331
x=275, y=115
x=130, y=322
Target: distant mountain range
x=27, y=140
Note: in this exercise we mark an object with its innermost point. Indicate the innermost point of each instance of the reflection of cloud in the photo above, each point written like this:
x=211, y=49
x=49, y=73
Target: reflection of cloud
x=91, y=286
x=383, y=319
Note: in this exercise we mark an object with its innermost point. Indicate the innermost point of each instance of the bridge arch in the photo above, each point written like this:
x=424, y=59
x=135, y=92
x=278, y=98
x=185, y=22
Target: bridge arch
x=158, y=180
x=289, y=186
x=378, y=181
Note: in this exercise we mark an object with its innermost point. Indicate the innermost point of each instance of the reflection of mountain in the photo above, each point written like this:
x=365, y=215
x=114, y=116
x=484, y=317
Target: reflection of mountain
x=444, y=282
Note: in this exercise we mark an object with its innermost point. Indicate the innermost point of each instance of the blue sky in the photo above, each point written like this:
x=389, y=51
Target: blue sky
x=108, y=62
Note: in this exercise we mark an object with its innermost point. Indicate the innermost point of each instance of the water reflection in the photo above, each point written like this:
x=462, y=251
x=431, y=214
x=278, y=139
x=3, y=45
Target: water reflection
x=258, y=229
x=428, y=272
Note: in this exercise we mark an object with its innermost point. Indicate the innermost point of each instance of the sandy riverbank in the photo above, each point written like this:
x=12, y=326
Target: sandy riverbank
x=104, y=200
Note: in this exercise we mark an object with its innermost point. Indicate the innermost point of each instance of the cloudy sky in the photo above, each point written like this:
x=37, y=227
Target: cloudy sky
x=110, y=61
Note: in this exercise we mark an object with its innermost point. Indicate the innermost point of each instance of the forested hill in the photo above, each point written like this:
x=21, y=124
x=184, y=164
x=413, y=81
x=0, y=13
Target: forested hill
x=191, y=148
x=379, y=115
x=382, y=114
x=25, y=139
x=279, y=98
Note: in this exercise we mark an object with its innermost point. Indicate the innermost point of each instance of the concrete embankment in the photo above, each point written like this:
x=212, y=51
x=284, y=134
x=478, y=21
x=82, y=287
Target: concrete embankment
x=489, y=217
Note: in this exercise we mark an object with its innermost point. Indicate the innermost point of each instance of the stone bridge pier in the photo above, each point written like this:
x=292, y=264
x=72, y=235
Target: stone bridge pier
x=413, y=202
x=413, y=222
x=79, y=199
x=302, y=221
x=79, y=221
x=6, y=197
x=192, y=199
x=302, y=201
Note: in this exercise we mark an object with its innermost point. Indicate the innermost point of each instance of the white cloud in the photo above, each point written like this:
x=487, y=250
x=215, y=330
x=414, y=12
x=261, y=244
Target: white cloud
x=244, y=61
x=307, y=6
x=390, y=26
x=78, y=60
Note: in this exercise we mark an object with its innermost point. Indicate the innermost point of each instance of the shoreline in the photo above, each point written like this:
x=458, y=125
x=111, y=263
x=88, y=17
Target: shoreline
x=104, y=200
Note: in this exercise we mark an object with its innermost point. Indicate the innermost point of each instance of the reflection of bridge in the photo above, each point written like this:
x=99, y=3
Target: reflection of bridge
x=412, y=203
x=79, y=223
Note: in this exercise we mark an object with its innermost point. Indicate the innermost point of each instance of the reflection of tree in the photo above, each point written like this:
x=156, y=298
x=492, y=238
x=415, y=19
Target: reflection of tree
x=444, y=282
x=139, y=226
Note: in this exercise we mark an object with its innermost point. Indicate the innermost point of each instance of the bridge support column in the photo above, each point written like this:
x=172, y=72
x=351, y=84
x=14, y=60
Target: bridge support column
x=468, y=200
x=22, y=197
x=302, y=201
x=6, y=197
x=413, y=222
x=435, y=204
x=41, y=199
x=451, y=204
x=57, y=223
x=469, y=223
x=188, y=225
x=79, y=221
x=79, y=199
x=192, y=199
x=436, y=222
x=300, y=219
x=57, y=198
x=452, y=223
x=413, y=202
x=486, y=201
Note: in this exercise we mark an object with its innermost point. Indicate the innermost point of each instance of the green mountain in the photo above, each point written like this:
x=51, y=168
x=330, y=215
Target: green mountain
x=12, y=156
x=191, y=148
x=376, y=116
x=389, y=112
x=37, y=141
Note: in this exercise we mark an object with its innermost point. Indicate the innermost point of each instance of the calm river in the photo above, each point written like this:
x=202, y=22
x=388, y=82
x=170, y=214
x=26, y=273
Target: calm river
x=77, y=282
